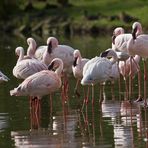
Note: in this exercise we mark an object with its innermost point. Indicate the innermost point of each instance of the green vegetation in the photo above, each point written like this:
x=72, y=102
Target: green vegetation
x=73, y=16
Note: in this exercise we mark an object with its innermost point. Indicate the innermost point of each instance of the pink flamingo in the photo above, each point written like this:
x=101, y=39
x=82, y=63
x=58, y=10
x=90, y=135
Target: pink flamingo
x=41, y=83
x=127, y=71
x=64, y=52
x=119, y=43
x=77, y=67
x=3, y=77
x=138, y=44
x=26, y=66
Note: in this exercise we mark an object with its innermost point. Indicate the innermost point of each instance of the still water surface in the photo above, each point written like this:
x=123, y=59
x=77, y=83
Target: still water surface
x=115, y=123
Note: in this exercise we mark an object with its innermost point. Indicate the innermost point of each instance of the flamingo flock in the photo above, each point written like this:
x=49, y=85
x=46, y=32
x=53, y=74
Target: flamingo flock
x=45, y=69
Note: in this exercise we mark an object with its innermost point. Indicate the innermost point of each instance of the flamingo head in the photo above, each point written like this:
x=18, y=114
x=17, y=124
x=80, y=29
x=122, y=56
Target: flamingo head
x=134, y=30
x=137, y=27
x=55, y=63
x=32, y=42
x=52, y=43
x=105, y=53
x=18, y=51
x=118, y=31
x=75, y=61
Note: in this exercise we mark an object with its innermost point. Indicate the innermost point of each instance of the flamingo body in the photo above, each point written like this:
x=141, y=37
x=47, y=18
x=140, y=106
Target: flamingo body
x=40, y=83
x=126, y=70
x=80, y=62
x=139, y=46
x=96, y=70
x=64, y=52
x=26, y=66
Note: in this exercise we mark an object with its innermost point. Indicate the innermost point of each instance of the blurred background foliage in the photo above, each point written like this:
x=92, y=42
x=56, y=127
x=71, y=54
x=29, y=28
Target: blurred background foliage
x=72, y=15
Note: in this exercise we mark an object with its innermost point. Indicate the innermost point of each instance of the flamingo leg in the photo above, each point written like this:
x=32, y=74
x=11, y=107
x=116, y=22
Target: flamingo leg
x=145, y=79
x=119, y=80
x=86, y=98
x=76, y=88
x=125, y=79
x=92, y=94
x=130, y=78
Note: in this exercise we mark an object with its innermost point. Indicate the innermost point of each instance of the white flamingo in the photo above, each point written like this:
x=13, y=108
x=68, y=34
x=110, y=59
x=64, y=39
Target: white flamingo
x=3, y=77
x=77, y=67
x=138, y=44
x=98, y=70
x=41, y=83
x=26, y=66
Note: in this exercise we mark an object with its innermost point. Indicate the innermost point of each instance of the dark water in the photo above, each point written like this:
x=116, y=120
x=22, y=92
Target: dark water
x=115, y=123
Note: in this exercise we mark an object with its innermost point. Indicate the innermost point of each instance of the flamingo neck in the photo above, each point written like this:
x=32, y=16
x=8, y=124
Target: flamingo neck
x=31, y=49
x=79, y=59
x=59, y=70
x=21, y=55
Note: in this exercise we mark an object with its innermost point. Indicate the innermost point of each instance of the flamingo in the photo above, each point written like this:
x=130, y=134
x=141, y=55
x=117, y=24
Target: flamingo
x=98, y=70
x=41, y=83
x=55, y=50
x=77, y=67
x=138, y=44
x=119, y=43
x=3, y=77
x=64, y=52
x=28, y=66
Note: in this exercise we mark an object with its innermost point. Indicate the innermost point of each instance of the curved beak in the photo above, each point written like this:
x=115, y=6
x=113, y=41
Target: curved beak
x=104, y=54
x=113, y=39
x=49, y=48
x=50, y=66
x=75, y=61
x=134, y=33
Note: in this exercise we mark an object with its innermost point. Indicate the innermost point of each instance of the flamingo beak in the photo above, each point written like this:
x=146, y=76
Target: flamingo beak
x=50, y=66
x=113, y=39
x=75, y=61
x=104, y=54
x=134, y=33
x=49, y=48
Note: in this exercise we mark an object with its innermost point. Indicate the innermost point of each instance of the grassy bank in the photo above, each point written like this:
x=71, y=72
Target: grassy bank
x=80, y=17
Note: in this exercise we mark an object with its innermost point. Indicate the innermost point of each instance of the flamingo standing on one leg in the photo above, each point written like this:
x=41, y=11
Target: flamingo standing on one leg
x=41, y=83
x=138, y=44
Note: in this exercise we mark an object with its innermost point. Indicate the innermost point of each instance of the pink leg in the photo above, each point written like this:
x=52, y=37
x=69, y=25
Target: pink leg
x=145, y=79
x=130, y=78
x=125, y=79
x=76, y=88
x=93, y=94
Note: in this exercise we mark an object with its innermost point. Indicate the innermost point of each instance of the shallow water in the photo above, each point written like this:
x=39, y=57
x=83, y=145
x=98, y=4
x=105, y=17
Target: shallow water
x=113, y=123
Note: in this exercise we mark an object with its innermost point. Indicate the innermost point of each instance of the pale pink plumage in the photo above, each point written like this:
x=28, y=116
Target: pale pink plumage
x=125, y=70
x=54, y=50
x=80, y=62
x=40, y=83
x=26, y=66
